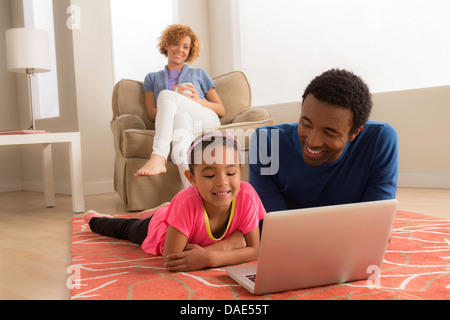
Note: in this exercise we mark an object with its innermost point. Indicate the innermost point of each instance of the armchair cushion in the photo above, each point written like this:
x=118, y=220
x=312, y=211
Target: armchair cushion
x=234, y=91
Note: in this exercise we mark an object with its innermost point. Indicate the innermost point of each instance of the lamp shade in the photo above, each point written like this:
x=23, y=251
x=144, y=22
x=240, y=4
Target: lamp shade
x=28, y=49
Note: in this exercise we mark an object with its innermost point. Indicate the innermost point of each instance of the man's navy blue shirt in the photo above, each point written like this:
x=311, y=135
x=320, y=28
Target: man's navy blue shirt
x=367, y=170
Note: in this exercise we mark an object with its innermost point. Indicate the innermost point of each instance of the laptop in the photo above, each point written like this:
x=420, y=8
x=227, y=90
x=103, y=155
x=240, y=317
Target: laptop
x=313, y=247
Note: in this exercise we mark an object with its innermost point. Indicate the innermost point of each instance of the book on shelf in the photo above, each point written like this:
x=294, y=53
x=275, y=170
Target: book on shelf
x=23, y=131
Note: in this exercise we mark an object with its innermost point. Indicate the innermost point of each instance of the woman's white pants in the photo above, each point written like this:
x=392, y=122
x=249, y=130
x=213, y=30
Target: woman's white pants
x=177, y=119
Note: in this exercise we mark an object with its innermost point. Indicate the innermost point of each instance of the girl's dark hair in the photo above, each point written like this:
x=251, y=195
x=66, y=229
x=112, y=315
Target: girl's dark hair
x=343, y=88
x=212, y=139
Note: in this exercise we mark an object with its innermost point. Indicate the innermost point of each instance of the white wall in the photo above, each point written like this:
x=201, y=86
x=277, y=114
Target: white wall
x=9, y=119
x=136, y=27
x=224, y=26
x=216, y=22
x=85, y=81
x=420, y=116
x=94, y=85
x=421, y=119
x=393, y=45
x=39, y=14
x=85, y=75
x=195, y=14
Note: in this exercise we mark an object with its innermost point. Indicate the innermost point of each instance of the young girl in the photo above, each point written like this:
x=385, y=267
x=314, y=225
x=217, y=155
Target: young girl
x=176, y=98
x=214, y=222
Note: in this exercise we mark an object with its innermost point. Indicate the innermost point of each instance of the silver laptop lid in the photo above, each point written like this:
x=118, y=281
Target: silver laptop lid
x=324, y=245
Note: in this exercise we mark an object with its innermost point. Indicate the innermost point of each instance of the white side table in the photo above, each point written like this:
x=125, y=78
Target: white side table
x=46, y=140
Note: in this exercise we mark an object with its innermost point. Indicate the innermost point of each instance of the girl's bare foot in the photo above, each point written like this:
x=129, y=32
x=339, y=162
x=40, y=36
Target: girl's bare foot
x=154, y=166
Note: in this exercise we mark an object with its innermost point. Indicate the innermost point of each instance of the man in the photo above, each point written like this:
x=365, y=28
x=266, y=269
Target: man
x=333, y=155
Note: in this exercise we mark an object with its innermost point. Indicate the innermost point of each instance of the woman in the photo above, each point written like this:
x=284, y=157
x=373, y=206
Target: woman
x=178, y=99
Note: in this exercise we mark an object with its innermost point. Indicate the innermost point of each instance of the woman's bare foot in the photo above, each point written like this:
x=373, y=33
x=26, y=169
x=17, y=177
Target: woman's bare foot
x=154, y=166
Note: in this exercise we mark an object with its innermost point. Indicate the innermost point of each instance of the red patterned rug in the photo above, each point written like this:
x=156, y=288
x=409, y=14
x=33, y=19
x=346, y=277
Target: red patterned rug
x=416, y=266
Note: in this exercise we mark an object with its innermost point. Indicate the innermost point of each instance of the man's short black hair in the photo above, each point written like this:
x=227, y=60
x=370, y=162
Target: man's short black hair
x=345, y=89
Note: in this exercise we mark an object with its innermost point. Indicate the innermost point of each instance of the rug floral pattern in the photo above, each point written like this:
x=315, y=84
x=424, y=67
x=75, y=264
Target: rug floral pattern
x=416, y=266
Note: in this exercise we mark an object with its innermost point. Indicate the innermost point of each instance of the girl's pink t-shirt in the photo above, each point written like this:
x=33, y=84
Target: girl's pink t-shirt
x=185, y=213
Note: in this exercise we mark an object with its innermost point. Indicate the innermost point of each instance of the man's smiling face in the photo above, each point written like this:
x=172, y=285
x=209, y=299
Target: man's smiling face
x=324, y=131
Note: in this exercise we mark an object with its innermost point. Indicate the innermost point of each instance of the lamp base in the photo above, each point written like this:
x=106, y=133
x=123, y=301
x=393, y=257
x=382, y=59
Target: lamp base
x=30, y=73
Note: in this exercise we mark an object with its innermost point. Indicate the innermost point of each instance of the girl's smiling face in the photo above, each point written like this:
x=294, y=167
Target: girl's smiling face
x=217, y=179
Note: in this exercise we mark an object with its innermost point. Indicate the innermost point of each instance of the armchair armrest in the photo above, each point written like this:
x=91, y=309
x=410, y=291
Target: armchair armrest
x=244, y=124
x=252, y=115
x=127, y=121
x=124, y=122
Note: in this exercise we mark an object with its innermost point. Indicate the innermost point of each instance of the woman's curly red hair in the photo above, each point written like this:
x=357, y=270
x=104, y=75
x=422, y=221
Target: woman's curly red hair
x=176, y=32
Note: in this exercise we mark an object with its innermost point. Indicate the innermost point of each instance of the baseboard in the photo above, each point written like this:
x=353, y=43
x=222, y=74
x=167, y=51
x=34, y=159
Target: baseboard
x=428, y=180
x=90, y=188
x=98, y=187
x=10, y=186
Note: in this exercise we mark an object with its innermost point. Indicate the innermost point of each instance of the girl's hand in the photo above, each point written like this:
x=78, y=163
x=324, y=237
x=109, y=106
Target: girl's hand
x=193, y=258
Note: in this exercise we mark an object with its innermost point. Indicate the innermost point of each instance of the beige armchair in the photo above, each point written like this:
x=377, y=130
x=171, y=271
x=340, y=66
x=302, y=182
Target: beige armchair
x=134, y=132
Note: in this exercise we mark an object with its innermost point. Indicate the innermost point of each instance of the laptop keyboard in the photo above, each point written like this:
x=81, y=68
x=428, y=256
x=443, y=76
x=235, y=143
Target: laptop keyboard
x=251, y=277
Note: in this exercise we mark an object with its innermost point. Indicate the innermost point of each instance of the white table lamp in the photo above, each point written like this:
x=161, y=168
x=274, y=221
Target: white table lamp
x=28, y=51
